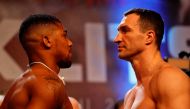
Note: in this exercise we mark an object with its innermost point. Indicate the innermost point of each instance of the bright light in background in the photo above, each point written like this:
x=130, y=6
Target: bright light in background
x=164, y=39
x=132, y=78
x=177, y=40
x=112, y=31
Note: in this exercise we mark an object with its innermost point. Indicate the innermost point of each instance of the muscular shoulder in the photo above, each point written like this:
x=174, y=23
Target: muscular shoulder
x=46, y=83
x=170, y=83
x=171, y=77
x=49, y=89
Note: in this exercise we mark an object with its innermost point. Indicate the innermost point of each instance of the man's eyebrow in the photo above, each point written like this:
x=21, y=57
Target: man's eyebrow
x=121, y=27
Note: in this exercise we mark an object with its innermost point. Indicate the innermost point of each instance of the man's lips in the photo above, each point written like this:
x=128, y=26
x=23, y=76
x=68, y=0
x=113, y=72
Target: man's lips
x=119, y=48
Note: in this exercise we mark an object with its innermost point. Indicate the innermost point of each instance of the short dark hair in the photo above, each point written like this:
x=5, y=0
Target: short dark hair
x=149, y=20
x=36, y=19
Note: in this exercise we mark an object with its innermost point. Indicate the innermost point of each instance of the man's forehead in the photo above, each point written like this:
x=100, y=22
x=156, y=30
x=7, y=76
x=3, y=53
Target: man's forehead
x=128, y=21
x=122, y=23
x=124, y=18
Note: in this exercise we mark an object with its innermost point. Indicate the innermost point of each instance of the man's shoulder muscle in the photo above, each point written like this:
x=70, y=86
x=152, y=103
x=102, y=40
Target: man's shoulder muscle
x=47, y=90
x=50, y=85
x=171, y=76
x=171, y=86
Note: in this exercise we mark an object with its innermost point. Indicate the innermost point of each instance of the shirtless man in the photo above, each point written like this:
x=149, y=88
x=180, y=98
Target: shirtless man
x=48, y=48
x=159, y=85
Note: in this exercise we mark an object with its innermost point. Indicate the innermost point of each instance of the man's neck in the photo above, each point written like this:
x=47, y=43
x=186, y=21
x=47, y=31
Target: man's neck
x=145, y=65
x=47, y=64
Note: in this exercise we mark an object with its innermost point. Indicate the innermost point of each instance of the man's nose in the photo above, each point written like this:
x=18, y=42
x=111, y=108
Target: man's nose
x=117, y=38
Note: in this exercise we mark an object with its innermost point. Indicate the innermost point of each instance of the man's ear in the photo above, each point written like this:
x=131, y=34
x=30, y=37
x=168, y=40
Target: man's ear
x=46, y=42
x=150, y=37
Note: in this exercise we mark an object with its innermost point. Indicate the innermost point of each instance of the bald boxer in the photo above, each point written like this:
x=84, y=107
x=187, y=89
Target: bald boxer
x=159, y=84
x=44, y=38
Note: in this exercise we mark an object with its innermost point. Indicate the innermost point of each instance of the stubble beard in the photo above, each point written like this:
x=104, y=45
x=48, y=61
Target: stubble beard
x=65, y=64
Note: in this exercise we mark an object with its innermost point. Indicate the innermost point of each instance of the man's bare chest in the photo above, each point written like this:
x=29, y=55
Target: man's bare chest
x=138, y=98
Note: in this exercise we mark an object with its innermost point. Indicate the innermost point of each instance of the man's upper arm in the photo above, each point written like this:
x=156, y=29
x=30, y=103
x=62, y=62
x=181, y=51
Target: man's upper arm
x=43, y=96
x=174, y=90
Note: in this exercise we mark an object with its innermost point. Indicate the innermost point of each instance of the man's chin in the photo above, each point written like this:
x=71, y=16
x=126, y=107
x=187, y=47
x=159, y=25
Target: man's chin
x=120, y=56
x=123, y=57
x=65, y=64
